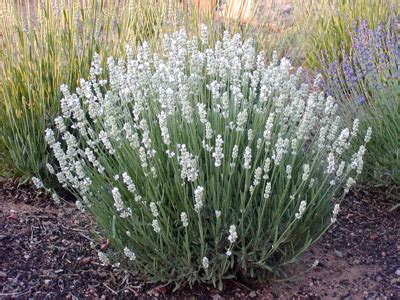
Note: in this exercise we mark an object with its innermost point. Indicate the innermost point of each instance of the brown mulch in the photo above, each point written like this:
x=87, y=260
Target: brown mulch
x=359, y=256
x=46, y=252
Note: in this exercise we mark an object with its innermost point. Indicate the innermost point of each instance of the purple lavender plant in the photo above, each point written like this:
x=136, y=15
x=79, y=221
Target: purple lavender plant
x=373, y=58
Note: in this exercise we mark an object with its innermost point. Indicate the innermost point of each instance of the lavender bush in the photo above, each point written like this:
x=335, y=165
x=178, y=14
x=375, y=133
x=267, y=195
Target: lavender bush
x=203, y=164
x=366, y=80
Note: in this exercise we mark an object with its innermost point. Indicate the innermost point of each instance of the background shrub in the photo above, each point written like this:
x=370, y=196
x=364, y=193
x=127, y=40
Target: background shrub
x=367, y=81
x=330, y=23
x=203, y=164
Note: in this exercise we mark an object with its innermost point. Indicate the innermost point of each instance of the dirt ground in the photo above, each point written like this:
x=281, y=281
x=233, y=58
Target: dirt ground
x=46, y=253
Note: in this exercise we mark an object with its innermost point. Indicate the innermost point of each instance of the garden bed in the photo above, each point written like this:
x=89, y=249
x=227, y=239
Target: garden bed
x=46, y=252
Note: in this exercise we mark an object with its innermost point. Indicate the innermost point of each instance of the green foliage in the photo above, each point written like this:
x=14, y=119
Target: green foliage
x=382, y=113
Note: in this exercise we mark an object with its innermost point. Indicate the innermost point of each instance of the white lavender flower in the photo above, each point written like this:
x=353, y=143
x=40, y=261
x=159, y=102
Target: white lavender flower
x=259, y=143
x=198, y=198
x=188, y=165
x=335, y=212
x=80, y=172
x=201, y=109
x=59, y=121
x=146, y=140
x=257, y=176
x=37, y=182
x=340, y=169
x=333, y=130
x=356, y=124
x=250, y=135
x=280, y=150
x=209, y=131
x=241, y=120
x=368, y=135
x=306, y=172
x=50, y=139
x=235, y=153
x=268, y=128
x=170, y=153
x=162, y=120
x=267, y=191
x=103, y=258
x=118, y=203
x=341, y=142
x=214, y=88
x=319, y=79
x=92, y=158
x=357, y=161
x=294, y=143
x=218, y=154
x=156, y=226
x=128, y=182
x=154, y=210
x=50, y=168
x=205, y=262
x=103, y=136
x=302, y=209
x=289, y=172
x=56, y=198
x=232, y=234
x=267, y=165
x=312, y=182
x=247, y=158
x=184, y=219
x=131, y=136
x=127, y=212
x=331, y=164
x=80, y=206
x=143, y=157
x=322, y=137
x=218, y=213
x=129, y=254
x=225, y=105
x=349, y=183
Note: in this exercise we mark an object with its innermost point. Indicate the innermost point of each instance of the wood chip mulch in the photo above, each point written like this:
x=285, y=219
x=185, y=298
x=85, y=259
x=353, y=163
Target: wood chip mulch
x=46, y=252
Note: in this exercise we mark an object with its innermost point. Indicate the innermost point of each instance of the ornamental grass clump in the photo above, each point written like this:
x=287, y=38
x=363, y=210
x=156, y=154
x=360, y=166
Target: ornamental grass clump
x=203, y=164
x=367, y=81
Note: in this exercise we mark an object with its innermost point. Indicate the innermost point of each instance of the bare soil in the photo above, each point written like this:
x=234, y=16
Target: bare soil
x=46, y=252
